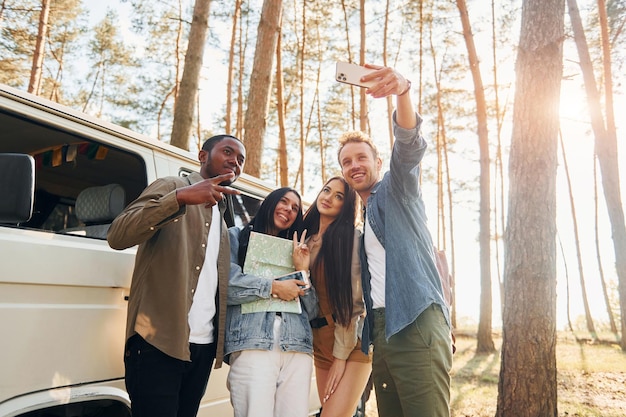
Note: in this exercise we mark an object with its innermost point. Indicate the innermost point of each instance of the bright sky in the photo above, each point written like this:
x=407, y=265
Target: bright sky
x=579, y=148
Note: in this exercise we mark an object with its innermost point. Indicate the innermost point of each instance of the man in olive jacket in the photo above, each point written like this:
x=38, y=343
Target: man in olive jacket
x=177, y=303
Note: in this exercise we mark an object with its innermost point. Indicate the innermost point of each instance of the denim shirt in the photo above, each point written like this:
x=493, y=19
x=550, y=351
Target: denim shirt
x=256, y=330
x=396, y=213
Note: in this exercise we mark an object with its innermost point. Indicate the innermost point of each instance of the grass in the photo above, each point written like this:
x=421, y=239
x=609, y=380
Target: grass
x=591, y=379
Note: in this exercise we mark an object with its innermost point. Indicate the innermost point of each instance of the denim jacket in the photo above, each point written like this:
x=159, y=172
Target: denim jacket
x=256, y=330
x=396, y=213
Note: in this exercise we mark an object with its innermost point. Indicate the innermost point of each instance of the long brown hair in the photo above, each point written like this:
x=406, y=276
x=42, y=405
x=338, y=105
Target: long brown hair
x=335, y=256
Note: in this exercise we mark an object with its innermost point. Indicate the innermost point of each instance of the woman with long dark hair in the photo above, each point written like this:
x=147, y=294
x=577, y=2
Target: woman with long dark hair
x=269, y=352
x=341, y=369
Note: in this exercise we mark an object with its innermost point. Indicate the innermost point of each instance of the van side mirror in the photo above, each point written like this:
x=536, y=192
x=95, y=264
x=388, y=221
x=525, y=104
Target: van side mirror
x=17, y=187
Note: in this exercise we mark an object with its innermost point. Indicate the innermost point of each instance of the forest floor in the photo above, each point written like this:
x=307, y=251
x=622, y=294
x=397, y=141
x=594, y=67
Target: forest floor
x=591, y=379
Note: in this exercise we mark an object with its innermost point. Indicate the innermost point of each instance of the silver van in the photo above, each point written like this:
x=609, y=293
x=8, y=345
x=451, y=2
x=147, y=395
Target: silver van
x=63, y=290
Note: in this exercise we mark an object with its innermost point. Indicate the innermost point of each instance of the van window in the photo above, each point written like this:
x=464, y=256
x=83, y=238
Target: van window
x=244, y=209
x=66, y=165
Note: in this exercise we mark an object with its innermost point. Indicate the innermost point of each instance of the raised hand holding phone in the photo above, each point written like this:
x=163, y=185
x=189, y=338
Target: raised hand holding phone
x=350, y=73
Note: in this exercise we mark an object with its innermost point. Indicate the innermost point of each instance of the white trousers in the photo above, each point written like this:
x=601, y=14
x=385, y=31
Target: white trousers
x=272, y=383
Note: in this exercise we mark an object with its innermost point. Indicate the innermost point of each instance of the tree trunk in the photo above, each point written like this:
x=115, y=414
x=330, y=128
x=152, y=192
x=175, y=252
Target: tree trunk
x=177, y=54
x=260, y=84
x=320, y=130
x=568, y=295
x=35, y=73
x=346, y=24
x=612, y=137
x=596, y=216
x=186, y=100
x=231, y=69
x=301, y=101
x=389, y=99
x=283, y=165
x=363, y=98
x=242, y=54
x=440, y=134
x=589, y=320
x=527, y=386
x=606, y=149
x=451, y=229
x=498, y=192
x=484, y=338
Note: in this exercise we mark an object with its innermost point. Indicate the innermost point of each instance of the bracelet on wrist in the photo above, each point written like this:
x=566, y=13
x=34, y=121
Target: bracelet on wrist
x=406, y=90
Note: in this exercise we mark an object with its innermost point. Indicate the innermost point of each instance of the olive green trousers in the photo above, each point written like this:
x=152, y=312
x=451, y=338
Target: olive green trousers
x=411, y=371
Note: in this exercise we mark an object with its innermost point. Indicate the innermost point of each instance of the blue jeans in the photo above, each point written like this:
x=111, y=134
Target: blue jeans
x=162, y=386
x=411, y=371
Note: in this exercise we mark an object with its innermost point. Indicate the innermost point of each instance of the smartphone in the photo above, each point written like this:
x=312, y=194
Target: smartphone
x=350, y=73
x=300, y=276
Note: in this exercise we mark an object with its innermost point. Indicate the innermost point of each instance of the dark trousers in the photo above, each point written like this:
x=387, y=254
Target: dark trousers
x=162, y=386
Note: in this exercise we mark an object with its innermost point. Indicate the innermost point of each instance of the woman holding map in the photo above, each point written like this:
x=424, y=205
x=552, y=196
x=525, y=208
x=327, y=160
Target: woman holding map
x=268, y=336
x=341, y=369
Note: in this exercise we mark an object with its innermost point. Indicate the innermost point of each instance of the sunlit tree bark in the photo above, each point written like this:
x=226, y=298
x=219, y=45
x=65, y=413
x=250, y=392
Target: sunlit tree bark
x=283, y=164
x=260, y=84
x=243, y=43
x=302, y=54
x=231, y=69
x=36, y=70
x=186, y=99
x=527, y=386
x=363, y=121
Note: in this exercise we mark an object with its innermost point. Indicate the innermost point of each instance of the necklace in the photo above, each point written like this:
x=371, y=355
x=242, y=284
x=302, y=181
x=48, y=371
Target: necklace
x=313, y=240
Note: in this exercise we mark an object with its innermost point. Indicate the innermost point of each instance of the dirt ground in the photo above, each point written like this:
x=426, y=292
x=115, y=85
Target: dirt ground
x=597, y=390
x=591, y=381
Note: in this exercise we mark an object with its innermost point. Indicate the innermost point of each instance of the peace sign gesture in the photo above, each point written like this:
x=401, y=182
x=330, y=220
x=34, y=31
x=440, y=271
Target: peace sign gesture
x=301, y=253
